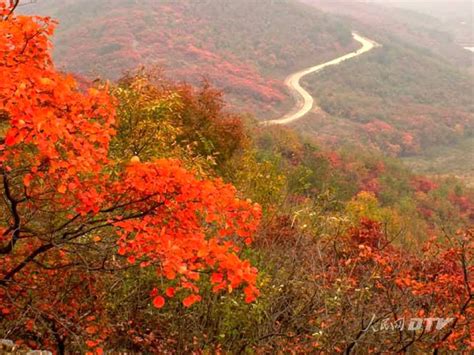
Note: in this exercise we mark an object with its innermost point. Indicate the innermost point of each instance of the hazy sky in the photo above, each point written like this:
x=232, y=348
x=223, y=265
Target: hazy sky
x=462, y=9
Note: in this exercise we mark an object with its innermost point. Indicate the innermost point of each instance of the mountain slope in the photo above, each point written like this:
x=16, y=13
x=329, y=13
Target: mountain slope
x=409, y=98
x=245, y=47
x=430, y=33
x=403, y=99
x=421, y=101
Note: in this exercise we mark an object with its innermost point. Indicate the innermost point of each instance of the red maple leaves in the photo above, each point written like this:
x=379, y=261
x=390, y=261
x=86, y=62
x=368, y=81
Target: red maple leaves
x=186, y=213
x=66, y=200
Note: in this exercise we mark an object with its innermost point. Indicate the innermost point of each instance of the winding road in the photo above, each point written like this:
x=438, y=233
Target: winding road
x=304, y=101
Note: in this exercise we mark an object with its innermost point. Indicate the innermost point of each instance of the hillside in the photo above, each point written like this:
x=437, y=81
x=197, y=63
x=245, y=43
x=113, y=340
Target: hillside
x=427, y=30
x=404, y=100
x=411, y=98
x=241, y=46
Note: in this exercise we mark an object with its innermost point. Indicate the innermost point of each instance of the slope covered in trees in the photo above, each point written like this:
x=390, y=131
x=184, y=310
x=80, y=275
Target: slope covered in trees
x=417, y=28
x=412, y=97
x=128, y=225
x=241, y=46
x=412, y=94
x=404, y=99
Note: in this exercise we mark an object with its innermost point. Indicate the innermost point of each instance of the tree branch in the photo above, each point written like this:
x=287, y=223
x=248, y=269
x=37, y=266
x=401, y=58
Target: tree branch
x=16, y=217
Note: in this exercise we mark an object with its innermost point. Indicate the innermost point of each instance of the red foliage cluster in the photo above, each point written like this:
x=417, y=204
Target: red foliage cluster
x=393, y=140
x=334, y=159
x=378, y=126
x=108, y=47
x=465, y=204
x=349, y=285
x=437, y=283
x=68, y=206
x=423, y=184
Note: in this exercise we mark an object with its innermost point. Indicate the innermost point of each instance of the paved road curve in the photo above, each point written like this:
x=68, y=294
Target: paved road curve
x=304, y=101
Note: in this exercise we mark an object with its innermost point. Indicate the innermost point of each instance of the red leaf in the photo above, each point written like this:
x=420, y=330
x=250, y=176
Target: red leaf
x=91, y=329
x=158, y=302
x=216, y=278
x=170, y=291
x=190, y=300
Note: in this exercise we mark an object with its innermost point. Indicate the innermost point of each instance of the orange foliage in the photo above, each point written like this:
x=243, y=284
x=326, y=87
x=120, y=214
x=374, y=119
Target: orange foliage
x=68, y=205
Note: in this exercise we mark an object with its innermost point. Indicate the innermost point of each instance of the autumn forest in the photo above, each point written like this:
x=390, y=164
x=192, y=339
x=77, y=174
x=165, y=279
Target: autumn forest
x=150, y=206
